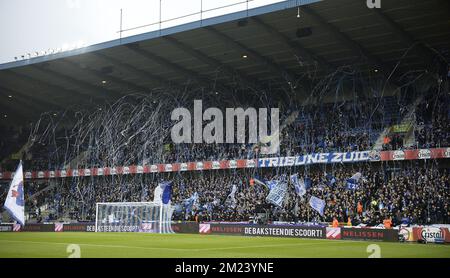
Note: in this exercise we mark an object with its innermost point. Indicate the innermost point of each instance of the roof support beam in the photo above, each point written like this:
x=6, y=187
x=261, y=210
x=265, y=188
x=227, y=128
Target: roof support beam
x=294, y=46
x=344, y=39
x=276, y=69
x=166, y=63
x=54, y=92
x=250, y=82
x=34, y=102
x=421, y=49
x=97, y=91
x=138, y=72
x=101, y=76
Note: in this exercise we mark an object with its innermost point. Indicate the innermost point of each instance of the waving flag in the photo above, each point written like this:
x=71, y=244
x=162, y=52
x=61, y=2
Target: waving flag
x=308, y=183
x=259, y=181
x=15, y=201
x=299, y=186
x=317, y=204
x=191, y=202
x=277, y=194
x=231, y=197
x=353, y=182
x=163, y=193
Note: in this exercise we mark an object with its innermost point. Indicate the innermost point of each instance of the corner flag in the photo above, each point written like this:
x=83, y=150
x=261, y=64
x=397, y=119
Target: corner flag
x=15, y=201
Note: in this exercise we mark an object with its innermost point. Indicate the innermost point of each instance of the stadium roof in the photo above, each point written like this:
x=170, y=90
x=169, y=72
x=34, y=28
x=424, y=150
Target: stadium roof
x=265, y=47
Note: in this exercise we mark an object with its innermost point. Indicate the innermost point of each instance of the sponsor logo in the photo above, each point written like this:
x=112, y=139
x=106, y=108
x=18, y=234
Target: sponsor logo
x=250, y=163
x=168, y=167
x=126, y=170
x=100, y=172
x=432, y=234
x=63, y=173
x=183, y=167
x=75, y=173
x=87, y=172
x=153, y=168
x=204, y=229
x=375, y=155
x=424, y=154
x=139, y=169
x=398, y=155
x=52, y=174
x=447, y=152
x=216, y=165
x=333, y=233
x=59, y=227
x=405, y=233
x=40, y=174
x=232, y=163
x=199, y=166
x=112, y=171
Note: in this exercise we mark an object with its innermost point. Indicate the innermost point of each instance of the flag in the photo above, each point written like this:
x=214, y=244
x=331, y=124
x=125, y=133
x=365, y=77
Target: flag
x=299, y=186
x=353, y=182
x=259, y=181
x=15, y=201
x=191, y=202
x=163, y=193
x=277, y=194
x=269, y=184
x=317, y=204
x=231, y=197
x=308, y=183
x=272, y=184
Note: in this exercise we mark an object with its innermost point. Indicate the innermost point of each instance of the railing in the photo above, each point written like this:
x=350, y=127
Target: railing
x=198, y=10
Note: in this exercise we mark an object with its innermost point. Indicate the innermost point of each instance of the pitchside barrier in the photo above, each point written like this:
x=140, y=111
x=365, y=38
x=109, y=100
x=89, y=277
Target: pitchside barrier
x=433, y=234
x=178, y=227
x=297, y=231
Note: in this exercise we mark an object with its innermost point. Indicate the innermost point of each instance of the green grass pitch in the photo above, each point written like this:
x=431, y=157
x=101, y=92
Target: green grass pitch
x=49, y=245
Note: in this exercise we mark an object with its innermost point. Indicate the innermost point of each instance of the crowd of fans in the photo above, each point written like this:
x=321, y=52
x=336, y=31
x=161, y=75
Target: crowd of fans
x=409, y=193
x=405, y=192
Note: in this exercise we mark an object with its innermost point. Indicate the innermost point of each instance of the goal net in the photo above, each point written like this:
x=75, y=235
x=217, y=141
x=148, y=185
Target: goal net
x=148, y=217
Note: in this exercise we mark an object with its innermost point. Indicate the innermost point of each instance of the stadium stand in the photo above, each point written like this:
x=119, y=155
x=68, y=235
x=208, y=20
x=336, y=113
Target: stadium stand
x=334, y=96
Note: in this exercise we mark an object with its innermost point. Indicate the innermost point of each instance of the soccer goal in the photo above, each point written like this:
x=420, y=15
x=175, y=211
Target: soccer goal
x=148, y=217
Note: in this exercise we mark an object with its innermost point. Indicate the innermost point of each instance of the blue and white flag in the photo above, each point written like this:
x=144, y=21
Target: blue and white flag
x=231, y=197
x=191, y=202
x=353, y=182
x=15, y=201
x=259, y=181
x=299, y=186
x=317, y=204
x=163, y=193
x=308, y=183
x=272, y=184
x=277, y=194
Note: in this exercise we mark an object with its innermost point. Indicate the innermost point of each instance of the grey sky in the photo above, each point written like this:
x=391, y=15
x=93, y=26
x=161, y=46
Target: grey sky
x=29, y=26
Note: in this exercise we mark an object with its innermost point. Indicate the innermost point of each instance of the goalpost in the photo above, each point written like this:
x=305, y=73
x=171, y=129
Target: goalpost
x=148, y=217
